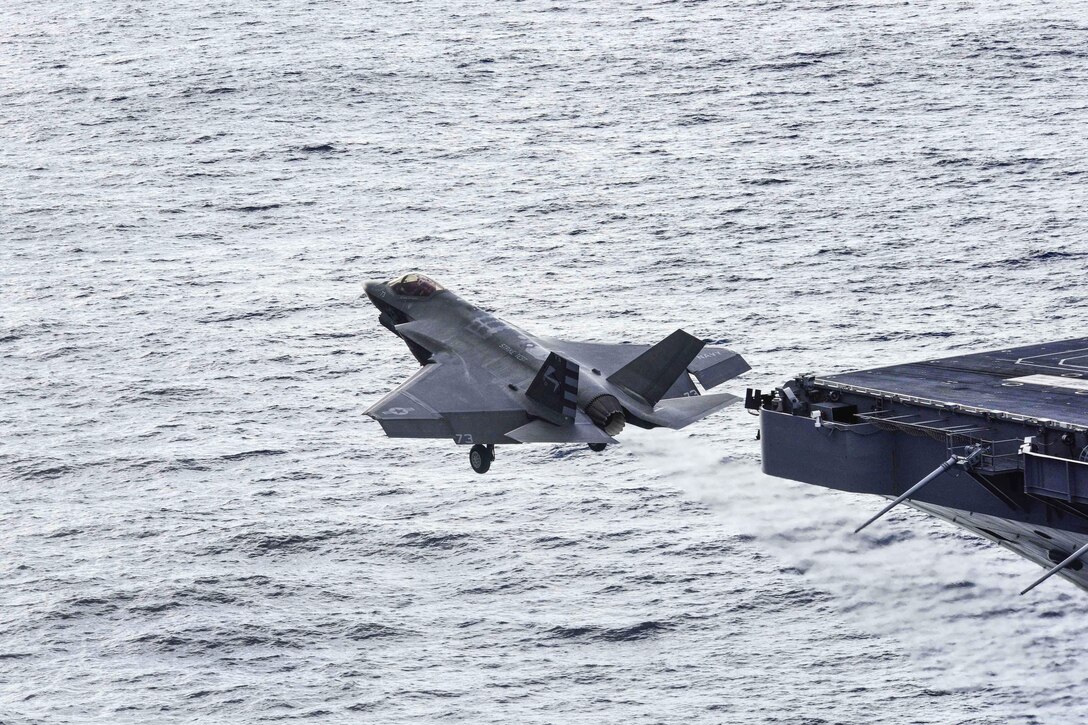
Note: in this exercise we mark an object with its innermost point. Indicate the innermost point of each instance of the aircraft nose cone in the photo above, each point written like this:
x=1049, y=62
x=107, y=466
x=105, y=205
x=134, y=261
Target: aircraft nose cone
x=372, y=288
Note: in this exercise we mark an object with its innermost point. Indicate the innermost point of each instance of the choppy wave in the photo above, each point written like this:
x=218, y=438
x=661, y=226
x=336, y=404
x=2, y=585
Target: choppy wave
x=200, y=525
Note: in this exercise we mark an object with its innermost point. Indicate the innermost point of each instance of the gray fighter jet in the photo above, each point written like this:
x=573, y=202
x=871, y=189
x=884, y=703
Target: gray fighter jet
x=486, y=382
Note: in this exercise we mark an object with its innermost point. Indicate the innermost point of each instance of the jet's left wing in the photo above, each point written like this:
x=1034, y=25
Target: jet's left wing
x=446, y=399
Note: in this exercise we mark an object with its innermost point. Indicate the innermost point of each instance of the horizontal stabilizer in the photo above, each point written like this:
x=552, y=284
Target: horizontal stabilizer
x=556, y=388
x=714, y=365
x=680, y=412
x=651, y=374
x=541, y=431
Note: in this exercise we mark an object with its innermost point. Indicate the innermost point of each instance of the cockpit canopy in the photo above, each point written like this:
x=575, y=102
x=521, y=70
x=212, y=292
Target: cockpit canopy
x=415, y=285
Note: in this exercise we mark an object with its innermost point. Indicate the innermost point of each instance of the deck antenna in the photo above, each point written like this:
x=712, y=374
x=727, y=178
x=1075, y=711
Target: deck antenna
x=973, y=454
x=1071, y=558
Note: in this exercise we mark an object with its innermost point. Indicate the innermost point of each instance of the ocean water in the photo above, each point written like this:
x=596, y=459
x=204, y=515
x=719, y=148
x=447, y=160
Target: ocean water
x=199, y=525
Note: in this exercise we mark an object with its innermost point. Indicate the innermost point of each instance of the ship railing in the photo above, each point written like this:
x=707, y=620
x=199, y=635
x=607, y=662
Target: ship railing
x=998, y=455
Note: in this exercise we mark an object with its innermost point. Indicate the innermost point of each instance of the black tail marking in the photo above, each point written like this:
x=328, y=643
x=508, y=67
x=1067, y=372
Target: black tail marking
x=556, y=386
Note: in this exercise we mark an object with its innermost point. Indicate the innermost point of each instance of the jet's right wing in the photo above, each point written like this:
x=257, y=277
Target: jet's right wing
x=445, y=399
x=448, y=399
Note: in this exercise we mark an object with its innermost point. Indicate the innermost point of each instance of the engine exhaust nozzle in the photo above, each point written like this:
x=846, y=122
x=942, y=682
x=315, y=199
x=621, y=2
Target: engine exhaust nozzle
x=607, y=414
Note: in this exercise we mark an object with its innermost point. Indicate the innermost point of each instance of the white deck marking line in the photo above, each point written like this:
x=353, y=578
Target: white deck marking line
x=1052, y=381
x=1061, y=362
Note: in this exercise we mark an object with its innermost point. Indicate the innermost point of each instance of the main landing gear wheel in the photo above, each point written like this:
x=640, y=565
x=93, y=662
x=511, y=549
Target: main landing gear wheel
x=480, y=457
x=598, y=447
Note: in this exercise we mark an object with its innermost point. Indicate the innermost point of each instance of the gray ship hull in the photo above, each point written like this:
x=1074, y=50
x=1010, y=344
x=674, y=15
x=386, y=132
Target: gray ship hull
x=1014, y=421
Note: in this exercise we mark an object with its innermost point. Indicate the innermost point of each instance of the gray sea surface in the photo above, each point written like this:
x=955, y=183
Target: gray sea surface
x=198, y=524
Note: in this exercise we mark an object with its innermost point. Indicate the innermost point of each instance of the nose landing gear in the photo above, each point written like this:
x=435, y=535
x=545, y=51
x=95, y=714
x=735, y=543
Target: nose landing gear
x=481, y=456
x=598, y=447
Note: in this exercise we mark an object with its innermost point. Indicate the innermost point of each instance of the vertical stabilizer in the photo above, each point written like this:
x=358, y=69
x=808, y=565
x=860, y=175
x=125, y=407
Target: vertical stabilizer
x=556, y=387
x=652, y=373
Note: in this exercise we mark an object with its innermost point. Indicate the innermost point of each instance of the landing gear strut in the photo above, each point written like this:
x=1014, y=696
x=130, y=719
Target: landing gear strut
x=598, y=447
x=481, y=456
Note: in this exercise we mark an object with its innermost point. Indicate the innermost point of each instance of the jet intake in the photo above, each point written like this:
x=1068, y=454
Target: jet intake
x=386, y=320
x=607, y=414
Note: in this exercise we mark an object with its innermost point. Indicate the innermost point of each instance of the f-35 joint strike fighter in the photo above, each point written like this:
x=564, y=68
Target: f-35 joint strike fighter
x=486, y=382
